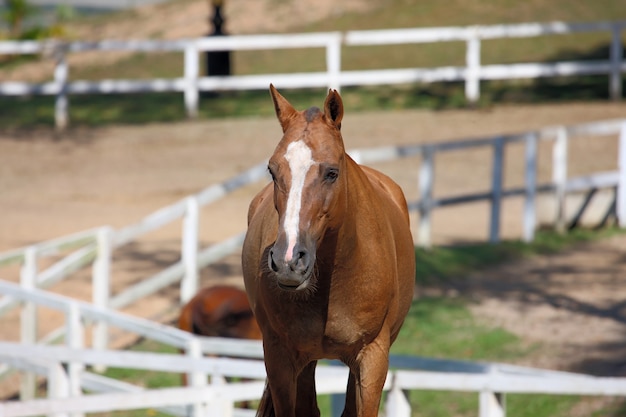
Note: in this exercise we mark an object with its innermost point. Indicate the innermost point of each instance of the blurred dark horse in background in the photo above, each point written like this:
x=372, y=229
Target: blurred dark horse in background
x=220, y=311
x=328, y=262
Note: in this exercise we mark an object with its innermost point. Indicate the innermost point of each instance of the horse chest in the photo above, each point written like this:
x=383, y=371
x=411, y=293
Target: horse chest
x=320, y=330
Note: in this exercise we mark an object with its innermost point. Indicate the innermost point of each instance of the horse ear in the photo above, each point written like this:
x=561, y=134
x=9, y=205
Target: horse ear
x=284, y=109
x=333, y=108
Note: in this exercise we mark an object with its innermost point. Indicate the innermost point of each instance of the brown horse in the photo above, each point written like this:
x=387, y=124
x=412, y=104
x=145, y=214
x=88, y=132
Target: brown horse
x=220, y=311
x=328, y=264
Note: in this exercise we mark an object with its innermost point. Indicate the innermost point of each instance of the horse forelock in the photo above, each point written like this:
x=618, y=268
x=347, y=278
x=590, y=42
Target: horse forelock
x=312, y=113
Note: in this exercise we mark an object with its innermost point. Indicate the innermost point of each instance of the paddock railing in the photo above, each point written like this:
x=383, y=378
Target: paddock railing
x=95, y=247
x=64, y=368
x=191, y=82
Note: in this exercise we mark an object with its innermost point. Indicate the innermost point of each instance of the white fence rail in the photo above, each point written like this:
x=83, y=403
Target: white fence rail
x=560, y=184
x=191, y=83
x=65, y=370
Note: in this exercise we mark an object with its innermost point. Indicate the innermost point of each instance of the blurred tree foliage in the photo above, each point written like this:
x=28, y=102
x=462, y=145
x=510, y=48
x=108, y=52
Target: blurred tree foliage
x=17, y=12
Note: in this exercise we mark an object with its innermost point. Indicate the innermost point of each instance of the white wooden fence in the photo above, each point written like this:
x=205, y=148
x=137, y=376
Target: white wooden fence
x=96, y=246
x=65, y=370
x=334, y=77
x=560, y=185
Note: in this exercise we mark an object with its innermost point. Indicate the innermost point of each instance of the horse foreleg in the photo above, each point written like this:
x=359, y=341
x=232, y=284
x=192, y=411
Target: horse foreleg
x=349, y=409
x=306, y=400
x=266, y=405
x=281, y=380
x=368, y=379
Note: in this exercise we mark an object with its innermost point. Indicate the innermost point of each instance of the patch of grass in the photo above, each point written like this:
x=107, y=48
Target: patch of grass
x=444, y=328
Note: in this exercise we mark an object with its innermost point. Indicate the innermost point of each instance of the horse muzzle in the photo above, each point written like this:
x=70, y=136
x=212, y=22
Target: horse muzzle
x=291, y=274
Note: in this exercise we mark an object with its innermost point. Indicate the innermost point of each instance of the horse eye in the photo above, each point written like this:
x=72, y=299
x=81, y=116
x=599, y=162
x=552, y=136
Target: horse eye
x=331, y=175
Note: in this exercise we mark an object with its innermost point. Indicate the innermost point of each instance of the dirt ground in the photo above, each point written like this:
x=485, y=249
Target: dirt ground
x=54, y=185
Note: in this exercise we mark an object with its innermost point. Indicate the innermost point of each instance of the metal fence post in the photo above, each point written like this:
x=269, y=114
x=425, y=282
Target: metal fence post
x=61, y=117
x=530, y=215
x=472, y=70
x=28, y=319
x=616, y=56
x=102, y=287
x=426, y=179
x=559, y=177
x=191, y=224
x=621, y=185
x=192, y=69
x=496, y=190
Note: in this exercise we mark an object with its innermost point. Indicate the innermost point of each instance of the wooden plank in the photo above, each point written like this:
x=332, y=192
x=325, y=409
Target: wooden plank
x=496, y=190
x=530, y=180
x=621, y=186
x=559, y=177
x=426, y=180
x=28, y=318
x=502, y=383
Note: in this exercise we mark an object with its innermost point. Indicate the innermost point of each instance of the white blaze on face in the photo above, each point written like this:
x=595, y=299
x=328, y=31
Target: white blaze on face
x=300, y=161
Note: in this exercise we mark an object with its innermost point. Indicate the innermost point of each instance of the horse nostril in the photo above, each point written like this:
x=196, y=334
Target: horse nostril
x=271, y=261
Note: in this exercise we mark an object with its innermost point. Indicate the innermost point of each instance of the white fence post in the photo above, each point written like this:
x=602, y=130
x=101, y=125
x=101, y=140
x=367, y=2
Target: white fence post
x=496, y=190
x=28, y=319
x=426, y=179
x=491, y=404
x=397, y=403
x=559, y=177
x=101, y=287
x=192, y=69
x=196, y=379
x=58, y=385
x=472, y=70
x=333, y=62
x=616, y=55
x=191, y=224
x=74, y=338
x=530, y=215
x=61, y=117
x=621, y=186
x=220, y=407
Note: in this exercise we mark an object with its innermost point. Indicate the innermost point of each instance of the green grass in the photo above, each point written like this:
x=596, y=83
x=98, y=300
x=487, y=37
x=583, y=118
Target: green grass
x=444, y=328
x=441, y=327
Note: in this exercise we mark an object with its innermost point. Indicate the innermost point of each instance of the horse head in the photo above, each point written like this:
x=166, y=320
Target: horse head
x=308, y=173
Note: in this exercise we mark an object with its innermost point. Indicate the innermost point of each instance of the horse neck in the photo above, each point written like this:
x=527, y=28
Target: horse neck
x=344, y=239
